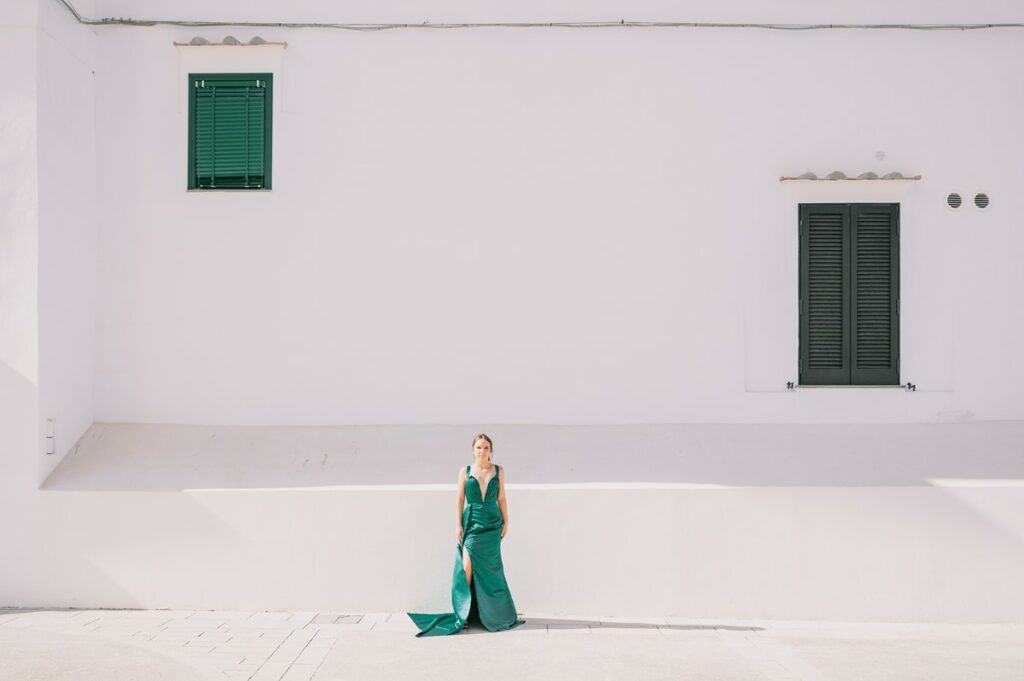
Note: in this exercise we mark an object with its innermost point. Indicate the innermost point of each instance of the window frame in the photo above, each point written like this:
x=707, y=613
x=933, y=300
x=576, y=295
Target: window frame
x=268, y=128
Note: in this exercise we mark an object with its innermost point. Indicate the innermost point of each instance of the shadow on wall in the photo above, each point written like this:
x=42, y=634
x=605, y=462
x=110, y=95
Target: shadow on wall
x=139, y=457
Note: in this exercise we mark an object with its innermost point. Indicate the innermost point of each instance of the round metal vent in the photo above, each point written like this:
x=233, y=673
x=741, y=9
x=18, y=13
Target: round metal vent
x=981, y=200
x=954, y=200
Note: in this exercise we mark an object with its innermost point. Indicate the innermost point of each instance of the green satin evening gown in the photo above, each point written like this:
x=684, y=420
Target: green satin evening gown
x=489, y=598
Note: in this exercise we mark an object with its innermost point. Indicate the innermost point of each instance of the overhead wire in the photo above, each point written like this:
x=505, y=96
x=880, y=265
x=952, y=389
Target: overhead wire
x=621, y=23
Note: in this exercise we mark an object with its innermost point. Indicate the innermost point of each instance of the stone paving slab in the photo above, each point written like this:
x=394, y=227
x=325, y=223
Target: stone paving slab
x=83, y=645
x=28, y=654
x=569, y=651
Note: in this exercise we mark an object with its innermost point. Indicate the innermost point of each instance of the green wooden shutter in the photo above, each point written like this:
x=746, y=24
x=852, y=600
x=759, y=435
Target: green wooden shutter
x=229, y=131
x=824, y=294
x=874, y=333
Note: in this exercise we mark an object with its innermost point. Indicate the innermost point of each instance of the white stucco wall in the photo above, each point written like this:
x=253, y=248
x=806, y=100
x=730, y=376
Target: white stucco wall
x=20, y=445
x=18, y=339
x=47, y=267
x=19, y=216
x=504, y=229
x=66, y=63
x=549, y=226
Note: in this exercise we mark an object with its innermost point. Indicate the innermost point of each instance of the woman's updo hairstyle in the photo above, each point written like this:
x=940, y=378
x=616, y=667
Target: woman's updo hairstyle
x=483, y=436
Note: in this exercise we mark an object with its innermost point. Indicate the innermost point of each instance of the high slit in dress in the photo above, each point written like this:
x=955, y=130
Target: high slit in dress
x=489, y=599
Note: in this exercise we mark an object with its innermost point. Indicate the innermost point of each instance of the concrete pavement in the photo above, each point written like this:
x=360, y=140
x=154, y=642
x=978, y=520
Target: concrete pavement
x=187, y=645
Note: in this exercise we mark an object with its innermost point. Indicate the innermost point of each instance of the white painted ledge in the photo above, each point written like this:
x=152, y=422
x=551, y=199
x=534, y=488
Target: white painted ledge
x=164, y=457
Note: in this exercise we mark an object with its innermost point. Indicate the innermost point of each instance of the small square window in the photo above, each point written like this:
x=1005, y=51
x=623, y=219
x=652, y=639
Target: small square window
x=229, y=125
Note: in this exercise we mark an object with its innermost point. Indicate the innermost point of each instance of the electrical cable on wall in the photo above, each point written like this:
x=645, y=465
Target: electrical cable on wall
x=622, y=23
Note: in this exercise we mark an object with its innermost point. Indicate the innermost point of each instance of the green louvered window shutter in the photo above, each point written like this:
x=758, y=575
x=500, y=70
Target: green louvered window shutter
x=824, y=294
x=849, y=294
x=874, y=299
x=229, y=130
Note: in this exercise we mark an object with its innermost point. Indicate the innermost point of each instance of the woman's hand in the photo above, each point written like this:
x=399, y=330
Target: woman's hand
x=459, y=533
x=504, y=530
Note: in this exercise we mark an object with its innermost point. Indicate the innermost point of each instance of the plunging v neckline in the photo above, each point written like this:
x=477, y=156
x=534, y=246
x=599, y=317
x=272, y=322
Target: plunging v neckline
x=483, y=492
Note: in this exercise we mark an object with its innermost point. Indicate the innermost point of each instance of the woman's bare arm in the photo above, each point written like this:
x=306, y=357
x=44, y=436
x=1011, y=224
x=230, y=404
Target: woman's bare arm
x=501, y=501
x=461, y=484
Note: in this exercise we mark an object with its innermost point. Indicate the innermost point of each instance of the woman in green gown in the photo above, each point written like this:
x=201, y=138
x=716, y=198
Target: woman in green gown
x=479, y=589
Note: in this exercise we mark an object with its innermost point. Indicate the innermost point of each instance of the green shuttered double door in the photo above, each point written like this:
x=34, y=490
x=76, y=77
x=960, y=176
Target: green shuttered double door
x=849, y=294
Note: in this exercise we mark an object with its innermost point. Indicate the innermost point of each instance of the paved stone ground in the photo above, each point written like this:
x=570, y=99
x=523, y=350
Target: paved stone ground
x=117, y=645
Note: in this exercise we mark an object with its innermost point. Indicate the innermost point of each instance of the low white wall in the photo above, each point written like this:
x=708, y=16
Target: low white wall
x=887, y=554
x=914, y=523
